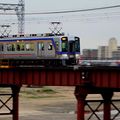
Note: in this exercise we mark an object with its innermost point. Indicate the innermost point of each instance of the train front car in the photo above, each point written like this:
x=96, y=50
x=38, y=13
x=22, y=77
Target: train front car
x=70, y=50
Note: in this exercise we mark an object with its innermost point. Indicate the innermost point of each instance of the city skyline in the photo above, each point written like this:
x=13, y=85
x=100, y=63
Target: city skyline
x=109, y=51
x=106, y=43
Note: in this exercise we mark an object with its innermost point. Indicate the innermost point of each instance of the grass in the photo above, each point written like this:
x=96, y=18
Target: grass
x=44, y=92
x=35, y=93
x=48, y=90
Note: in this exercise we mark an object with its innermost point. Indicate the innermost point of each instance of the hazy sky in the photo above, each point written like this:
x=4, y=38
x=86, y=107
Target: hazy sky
x=94, y=28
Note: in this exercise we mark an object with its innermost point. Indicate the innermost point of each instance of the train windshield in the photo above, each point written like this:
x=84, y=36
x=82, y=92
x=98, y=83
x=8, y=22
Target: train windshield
x=77, y=44
x=71, y=46
x=64, y=44
x=74, y=44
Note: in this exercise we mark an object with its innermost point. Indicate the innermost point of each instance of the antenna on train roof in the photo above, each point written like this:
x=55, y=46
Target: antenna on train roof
x=56, y=28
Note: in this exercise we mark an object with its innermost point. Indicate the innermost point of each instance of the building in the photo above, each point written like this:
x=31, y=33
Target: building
x=90, y=54
x=102, y=52
x=110, y=51
x=116, y=54
x=112, y=46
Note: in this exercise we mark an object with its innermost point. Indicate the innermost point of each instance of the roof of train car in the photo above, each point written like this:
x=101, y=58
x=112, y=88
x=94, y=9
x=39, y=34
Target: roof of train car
x=29, y=37
x=32, y=35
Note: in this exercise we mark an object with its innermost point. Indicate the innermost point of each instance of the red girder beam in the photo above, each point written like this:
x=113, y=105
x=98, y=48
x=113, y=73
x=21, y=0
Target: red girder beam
x=31, y=76
x=101, y=77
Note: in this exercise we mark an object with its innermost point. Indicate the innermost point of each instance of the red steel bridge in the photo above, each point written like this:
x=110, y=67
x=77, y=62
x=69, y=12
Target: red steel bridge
x=87, y=80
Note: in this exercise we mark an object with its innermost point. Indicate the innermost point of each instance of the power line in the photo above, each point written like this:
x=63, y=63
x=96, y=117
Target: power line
x=66, y=11
x=81, y=10
x=71, y=18
x=85, y=18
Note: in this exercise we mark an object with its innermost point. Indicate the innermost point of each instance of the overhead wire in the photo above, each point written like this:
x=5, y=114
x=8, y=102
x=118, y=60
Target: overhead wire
x=73, y=11
x=87, y=17
x=67, y=11
x=71, y=18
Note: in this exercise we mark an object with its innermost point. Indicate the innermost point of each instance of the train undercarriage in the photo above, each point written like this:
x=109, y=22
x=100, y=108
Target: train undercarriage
x=37, y=62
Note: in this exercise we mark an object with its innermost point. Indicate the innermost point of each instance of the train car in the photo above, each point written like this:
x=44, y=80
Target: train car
x=39, y=49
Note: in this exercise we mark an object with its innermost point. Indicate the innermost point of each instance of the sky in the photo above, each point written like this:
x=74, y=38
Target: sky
x=94, y=28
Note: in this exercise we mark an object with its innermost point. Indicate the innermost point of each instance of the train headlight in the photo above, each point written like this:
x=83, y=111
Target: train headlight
x=77, y=55
x=64, y=56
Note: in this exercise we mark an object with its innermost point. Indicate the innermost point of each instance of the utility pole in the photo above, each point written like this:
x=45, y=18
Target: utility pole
x=20, y=12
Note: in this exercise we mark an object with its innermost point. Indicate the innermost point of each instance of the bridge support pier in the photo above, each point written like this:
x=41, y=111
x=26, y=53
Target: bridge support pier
x=107, y=96
x=81, y=93
x=10, y=97
x=15, y=111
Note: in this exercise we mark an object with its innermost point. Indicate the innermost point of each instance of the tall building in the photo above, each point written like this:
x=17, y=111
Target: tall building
x=112, y=46
x=102, y=52
x=108, y=52
x=116, y=54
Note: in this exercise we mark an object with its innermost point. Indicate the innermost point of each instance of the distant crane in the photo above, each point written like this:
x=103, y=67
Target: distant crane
x=20, y=12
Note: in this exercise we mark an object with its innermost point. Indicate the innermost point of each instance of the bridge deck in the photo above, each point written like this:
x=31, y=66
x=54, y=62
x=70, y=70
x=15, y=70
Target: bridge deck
x=101, y=77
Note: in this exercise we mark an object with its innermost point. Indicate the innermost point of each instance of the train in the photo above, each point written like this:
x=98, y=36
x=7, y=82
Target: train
x=39, y=49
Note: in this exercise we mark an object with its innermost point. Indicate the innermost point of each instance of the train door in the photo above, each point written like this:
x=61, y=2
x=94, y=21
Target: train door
x=50, y=50
x=46, y=49
x=41, y=49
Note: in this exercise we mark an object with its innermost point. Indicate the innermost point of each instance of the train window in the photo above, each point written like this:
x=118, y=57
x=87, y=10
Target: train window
x=32, y=46
x=71, y=46
x=29, y=46
x=64, y=46
x=1, y=47
x=22, y=46
x=57, y=45
x=77, y=44
x=13, y=47
x=50, y=47
x=41, y=46
x=18, y=47
x=10, y=47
